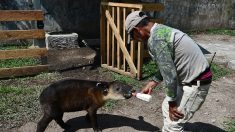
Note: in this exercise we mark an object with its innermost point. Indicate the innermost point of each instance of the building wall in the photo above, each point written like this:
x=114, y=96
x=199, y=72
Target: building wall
x=83, y=17
x=199, y=14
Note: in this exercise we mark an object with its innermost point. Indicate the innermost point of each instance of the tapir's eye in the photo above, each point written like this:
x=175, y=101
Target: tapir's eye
x=117, y=89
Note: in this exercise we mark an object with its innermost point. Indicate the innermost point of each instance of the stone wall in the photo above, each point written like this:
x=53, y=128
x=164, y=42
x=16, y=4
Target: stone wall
x=83, y=17
x=199, y=14
x=15, y=5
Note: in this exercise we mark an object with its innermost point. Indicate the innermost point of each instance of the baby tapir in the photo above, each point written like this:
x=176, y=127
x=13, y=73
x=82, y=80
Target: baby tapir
x=74, y=95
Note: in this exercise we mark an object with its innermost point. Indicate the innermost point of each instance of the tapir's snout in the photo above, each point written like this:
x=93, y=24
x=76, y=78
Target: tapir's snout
x=129, y=94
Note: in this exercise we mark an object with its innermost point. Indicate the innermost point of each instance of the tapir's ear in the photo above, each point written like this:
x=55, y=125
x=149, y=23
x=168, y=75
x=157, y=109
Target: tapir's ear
x=99, y=84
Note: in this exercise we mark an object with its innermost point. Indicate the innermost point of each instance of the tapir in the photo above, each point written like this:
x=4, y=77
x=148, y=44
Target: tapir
x=69, y=95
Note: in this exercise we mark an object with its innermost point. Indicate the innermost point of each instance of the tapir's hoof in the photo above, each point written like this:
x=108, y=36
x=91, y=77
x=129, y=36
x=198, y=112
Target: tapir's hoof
x=98, y=130
x=66, y=127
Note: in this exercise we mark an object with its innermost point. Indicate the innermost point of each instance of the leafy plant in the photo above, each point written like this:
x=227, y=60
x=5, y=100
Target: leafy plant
x=219, y=31
x=219, y=71
x=229, y=125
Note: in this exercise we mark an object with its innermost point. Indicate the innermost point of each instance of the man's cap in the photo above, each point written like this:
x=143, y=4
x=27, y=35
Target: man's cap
x=132, y=20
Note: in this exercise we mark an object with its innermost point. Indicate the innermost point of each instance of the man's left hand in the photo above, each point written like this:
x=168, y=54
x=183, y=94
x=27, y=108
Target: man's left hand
x=174, y=114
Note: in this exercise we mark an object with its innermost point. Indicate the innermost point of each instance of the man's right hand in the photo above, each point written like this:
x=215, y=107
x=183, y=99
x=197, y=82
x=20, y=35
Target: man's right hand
x=149, y=87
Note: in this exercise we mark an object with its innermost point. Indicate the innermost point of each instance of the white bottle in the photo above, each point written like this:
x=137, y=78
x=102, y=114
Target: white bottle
x=145, y=97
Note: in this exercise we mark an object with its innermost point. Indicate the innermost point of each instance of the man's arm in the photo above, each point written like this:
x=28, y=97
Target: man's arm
x=164, y=59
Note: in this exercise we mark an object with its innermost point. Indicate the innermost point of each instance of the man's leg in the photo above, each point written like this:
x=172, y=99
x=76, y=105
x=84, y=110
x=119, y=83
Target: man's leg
x=189, y=100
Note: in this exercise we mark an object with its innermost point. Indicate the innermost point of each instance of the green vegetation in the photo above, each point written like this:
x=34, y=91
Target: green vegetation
x=221, y=31
x=219, y=71
x=18, y=104
x=19, y=99
x=9, y=63
x=127, y=80
x=215, y=31
x=18, y=62
x=109, y=105
x=149, y=69
x=229, y=125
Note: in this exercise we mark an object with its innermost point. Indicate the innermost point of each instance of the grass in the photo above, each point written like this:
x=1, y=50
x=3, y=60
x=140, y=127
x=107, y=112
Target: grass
x=17, y=105
x=109, y=105
x=9, y=63
x=19, y=62
x=19, y=99
x=150, y=68
x=219, y=31
x=229, y=125
x=127, y=80
x=219, y=71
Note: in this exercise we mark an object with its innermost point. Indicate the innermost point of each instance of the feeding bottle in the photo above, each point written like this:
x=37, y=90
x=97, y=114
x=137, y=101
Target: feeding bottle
x=145, y=97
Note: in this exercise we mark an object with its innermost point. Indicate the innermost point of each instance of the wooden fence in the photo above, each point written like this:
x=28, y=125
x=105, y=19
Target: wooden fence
x=116, y=54
x=6, y=35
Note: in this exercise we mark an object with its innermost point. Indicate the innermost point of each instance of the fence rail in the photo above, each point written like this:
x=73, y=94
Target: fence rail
x=21, y=15
x=116, y=54
x=7, y=35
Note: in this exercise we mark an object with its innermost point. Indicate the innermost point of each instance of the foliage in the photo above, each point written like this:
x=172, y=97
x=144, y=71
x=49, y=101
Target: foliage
x=219, y=71
x=9, y=63
x=229, y=125
x=218, y=31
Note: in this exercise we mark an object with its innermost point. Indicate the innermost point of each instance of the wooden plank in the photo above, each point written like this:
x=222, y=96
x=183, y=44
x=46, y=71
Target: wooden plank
x=124, y=37
x=23, y=53
x=143, y=6
x=113, y=41
x=22, y=34
x=126, y=5
x=103, y=35
x=140, y=60
x=153, y=7
x=157, y=20
x=23, y=71
x=108, y=44
x=118, y=71
x=122, y=44
x=118, y=47
x=21, y=15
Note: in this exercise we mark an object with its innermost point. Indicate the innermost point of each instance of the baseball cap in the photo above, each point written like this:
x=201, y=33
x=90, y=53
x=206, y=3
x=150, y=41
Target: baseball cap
x=132, y=20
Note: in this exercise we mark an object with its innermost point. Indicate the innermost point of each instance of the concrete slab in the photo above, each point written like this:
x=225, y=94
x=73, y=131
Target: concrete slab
x=223, y=45
x=70, y=58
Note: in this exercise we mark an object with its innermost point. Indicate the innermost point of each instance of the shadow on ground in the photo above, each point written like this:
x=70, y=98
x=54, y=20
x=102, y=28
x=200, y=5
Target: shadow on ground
x=202, y=127
x=111, y=121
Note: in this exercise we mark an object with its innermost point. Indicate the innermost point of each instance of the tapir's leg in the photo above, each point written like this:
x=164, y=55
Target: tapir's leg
x=43, y=123
x=87, y=117
x=93, y=119
x=58, y=119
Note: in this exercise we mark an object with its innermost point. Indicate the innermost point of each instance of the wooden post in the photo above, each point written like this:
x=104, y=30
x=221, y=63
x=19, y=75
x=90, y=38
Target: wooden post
x=40, y=42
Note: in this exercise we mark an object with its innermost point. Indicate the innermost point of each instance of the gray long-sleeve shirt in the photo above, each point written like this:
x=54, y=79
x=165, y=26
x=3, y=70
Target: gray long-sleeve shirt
x=178, y=57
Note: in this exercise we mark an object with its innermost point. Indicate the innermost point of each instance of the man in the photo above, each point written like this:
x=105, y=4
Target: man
x=182, y=67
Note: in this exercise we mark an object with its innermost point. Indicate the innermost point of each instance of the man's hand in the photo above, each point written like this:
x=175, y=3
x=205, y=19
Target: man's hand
x=149, y=87
x=174, y=114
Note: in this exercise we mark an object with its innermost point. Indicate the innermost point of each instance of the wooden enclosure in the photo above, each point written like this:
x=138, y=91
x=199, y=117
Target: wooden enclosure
x=116, y=54
x=7, y=35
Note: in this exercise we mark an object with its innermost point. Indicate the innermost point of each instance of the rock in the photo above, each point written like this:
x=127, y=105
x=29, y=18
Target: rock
x=70, y=58
x=61, y=40
x=213, y=120
x=231, y=64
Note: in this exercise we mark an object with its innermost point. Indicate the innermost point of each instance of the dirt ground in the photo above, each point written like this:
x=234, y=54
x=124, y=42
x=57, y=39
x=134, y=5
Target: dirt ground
x=136, y=115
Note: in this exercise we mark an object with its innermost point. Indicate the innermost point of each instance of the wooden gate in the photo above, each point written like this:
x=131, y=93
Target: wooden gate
x=6, y=35
x=116, y=54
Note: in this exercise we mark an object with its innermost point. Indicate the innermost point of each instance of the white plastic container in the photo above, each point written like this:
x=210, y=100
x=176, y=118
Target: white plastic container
x=145, y=97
